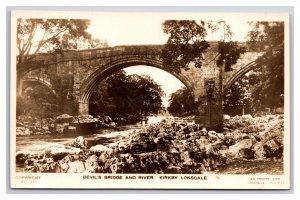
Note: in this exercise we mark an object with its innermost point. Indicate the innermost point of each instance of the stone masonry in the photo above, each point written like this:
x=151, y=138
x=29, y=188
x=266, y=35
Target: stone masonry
x=89, y=67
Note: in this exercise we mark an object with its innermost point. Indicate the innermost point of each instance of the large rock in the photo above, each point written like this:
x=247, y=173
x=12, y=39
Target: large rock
x=64, y=163
x=246, y=153
x=22, y=131
x=64, y=118
x=79, y=142
x=100, y=149
x=258, y=149
x=185, y=158
x=59, y=151
x=44, y=164
x=83, y=119
x=22, y=156
x=163, y=144
x=273, y=148
x=226, y=117
x=76, y=167
x=234, y=150
x=91, y=164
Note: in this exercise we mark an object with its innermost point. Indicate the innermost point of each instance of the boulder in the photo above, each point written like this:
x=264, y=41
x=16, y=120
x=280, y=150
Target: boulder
x=76, y=167
x=91, y=164
x=273, y=148
x=234, y=150
x=59, y=151
x=83, y=119
x=45, y=164
x=64, y=118
x=226, y=117
x=163, y=144
x=22, y=131
x=185, y=158
x=22, y=156
x=246, y=153
x=258, y=149
x=248, y=116
x=79, y=142
x=100, y=149
x=71, y=130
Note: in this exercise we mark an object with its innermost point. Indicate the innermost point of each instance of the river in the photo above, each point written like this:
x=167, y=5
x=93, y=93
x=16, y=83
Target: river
x=37, y=143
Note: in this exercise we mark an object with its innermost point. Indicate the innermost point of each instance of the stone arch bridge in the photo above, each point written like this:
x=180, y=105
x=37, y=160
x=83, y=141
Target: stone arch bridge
x=89, y=67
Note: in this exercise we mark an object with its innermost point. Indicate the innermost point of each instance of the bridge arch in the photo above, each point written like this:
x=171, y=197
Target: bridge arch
x=90, y=83
x=34, y=80
x=239, y=74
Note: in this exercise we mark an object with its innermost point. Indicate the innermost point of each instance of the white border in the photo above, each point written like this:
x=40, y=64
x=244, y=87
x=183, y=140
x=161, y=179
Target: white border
x=213, y=181
x=32, y=194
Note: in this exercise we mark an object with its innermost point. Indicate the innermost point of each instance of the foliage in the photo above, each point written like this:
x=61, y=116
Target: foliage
x=185, y=44
x=269, y=85
x=49, y=35
x=127, y=95
x=182, y=103
x=230, y=52
x=238, y=96
x=37, y=101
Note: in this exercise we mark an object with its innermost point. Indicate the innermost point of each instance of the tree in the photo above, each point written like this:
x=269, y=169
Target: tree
x=228, y=51
x=268, y=37
x=237, y=98
x=182, y=103
x=185, y=45
x=127, y=95
x=37, y=101
x=35, y=36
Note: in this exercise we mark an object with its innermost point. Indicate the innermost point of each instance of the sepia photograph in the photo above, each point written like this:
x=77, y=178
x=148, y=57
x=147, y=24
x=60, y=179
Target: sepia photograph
x=156, y=100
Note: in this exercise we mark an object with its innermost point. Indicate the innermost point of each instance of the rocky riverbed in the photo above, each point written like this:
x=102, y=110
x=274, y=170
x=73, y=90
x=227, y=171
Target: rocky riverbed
x=170, y=147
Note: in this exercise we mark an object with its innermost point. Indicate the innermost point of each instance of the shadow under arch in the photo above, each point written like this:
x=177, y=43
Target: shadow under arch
x=239, y=74
x=31, y=81
x=90, y=83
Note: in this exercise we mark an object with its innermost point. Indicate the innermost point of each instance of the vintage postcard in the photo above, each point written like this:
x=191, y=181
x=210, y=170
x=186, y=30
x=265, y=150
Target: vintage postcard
x=150, y=100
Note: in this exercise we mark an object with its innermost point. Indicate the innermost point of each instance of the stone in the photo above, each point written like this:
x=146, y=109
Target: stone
x=112, y=124
x=185, y=158
x=100, y=148
x=248, y=116
x=273, y=148
x=22, y=131
x=63, y=118
x=91, y=164
x=246, y=153
x=79, y=142
x=258, y=149
x=71, y=130
x=45, y=164
x=59, y=151
x=234, y=150
x=76, y=167
x=22, y=156
x=163, y=144
x=226, y=117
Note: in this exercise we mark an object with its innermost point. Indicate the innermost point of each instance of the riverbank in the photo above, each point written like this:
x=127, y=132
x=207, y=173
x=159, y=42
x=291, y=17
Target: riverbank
x=169, y=147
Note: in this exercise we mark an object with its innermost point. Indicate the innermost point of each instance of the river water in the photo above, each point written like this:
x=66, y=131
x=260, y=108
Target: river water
x=37, y=143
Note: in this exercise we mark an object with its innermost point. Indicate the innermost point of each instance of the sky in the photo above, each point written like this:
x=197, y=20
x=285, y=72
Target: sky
x=146, y=28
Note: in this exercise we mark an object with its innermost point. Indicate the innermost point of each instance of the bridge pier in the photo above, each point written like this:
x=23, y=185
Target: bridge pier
x=83, y=108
